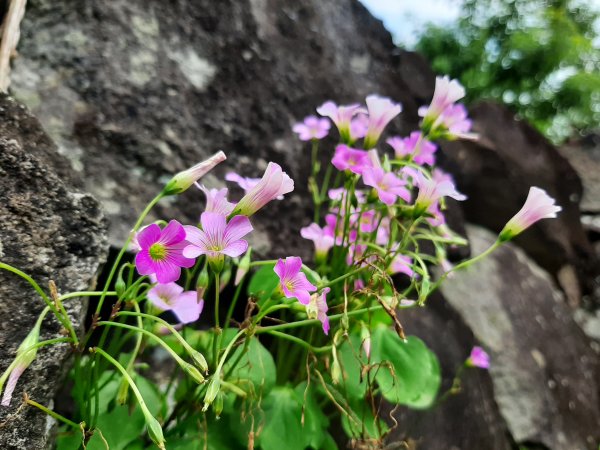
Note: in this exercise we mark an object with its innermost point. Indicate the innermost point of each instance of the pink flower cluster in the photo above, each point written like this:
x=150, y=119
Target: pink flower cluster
x=162, y=253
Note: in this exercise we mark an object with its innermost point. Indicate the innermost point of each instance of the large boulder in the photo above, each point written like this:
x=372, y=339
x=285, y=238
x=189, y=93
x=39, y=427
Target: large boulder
x=51, y=231
x=544, y=371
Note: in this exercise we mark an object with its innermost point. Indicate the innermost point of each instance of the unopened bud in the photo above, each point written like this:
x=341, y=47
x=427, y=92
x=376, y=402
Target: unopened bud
x=202, y=283
x=243, y=267
x=218, y=405
x=120, y=286
x=183, y=180
x=225, y=278
x=199, y=360
x=194, y=373
x=155, y=431
x=212, y=391
x=123, y=392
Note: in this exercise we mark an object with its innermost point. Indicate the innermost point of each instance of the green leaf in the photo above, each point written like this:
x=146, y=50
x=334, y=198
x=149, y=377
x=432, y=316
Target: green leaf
x=263, y=283
x=352, y=358
x=282, y=421
x=255, y=366
x=413, y=377
x=370, y=427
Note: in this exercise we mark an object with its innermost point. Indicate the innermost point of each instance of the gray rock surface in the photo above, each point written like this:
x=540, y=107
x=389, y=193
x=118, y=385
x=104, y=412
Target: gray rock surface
x=544, y=372
x=52, y=232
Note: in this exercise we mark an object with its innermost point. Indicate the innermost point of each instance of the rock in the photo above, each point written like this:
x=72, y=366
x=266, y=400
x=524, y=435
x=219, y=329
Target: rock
x=546, y=396
x=469, y=420
x=584, y=155
x=52, y=232
x=496, y=172
x=130, y=102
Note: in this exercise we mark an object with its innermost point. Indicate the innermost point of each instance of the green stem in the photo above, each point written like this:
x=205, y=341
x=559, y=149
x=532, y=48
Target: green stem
x=126, y=375
x=465, y=264
x=299, y=341
x=302, y=323
x=85, y=294
x=137, y=225
x=172, y=352
x=52, y=413
x=232, y=305
x=39, y=290
x=342, y=277
x=218, y=333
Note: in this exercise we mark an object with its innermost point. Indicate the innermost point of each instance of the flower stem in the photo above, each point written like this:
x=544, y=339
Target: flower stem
x=299, y=341
x=113, y=270
x=52, y=413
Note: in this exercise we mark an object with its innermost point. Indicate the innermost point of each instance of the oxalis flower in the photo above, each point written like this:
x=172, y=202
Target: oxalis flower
x=388, y=186
x=322, y=240
x=347, y=158
x=183, y=180
x=216, y=201
x=341, y=117
x=431, y=190
x=312, y=128
x=293, y=281
x=274, y=183
x=381, y=111
x=161, y=252
x=186, y=306
x=478, y=358
x=446, y=92
x=217, y=238
x=317, y=308
x=538, y=205
x=420, y=149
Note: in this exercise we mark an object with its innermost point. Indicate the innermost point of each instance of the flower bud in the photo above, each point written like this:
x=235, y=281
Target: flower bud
x=194, y=373
x=199, y=360
x=218, y=405
x=120, y=286
x=123, y=392
x=202, y=283
x=155, y=430
x=243, y=267
x=212, y=391
x=225, y=278
x=183, y=180
x=22, y=361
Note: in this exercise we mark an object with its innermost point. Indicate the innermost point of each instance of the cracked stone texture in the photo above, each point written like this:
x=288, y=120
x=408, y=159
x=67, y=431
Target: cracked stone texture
x=53, y=232
x=544, y=372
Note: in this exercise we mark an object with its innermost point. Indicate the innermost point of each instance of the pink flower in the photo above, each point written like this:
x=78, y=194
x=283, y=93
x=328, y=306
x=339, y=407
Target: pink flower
x=381, y=111
x=216, y=201
x=323, y=241
x=446, y=92
x=317, y=308
x=401, y=264
x=347, y=158
x=420, y=149
x=14, y=376
x=538, y=205
x=183, y=180
x=431, y=190
x=367, y=221
x=293, y=282
x=244, y=182
x=389, y=187
x=383, y=232
x=170, y=297
x=335, y=229
x=161, y=252
x=358, y=127
x=274, y=183
x=217, y=237
x=340, y=116
x=478, y=358
x=312, y=128
x=453, y=123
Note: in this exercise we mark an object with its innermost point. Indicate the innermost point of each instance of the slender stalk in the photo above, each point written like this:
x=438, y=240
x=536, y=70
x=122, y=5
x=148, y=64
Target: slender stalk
x=232, y=305
x=172, y=352
x=85, y=294
x=137, y=225
x=39, y=290
x=299, y=341
x=52, y=413
x=342, y=277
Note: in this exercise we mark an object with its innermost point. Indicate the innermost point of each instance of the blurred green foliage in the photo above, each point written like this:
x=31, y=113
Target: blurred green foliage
x=540, y=57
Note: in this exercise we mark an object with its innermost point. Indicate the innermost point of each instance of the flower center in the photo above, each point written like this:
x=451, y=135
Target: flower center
x=157, y=252
x=289, y=285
